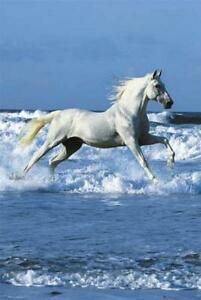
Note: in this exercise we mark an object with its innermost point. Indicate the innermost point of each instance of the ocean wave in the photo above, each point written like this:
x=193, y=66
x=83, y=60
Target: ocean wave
x=162, y=117
x=109, y=171
x=181, y=271
x=169, y=117
x=126, y=279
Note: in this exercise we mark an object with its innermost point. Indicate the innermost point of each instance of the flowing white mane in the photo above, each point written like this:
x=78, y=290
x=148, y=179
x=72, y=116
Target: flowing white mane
x=123, y=85
x=120, y=89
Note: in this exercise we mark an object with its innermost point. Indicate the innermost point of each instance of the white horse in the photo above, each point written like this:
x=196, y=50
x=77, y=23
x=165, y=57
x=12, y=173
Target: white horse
x=125, y=123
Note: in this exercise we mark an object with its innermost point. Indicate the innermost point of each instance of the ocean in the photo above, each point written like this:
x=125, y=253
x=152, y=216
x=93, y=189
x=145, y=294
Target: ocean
x=100, y=229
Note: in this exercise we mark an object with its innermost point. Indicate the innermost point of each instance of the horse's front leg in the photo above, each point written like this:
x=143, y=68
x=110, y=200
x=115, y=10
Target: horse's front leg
x=136, y=150
x=154, y=139
x=132, y=143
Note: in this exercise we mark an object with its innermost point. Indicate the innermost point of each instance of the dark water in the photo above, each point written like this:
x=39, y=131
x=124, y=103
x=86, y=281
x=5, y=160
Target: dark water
x=134, y=243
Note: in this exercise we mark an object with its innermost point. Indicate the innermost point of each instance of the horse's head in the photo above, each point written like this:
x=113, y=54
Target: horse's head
x=156, y=90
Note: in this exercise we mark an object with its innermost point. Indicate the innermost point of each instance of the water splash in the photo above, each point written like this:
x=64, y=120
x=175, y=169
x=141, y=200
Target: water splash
x=109, y=171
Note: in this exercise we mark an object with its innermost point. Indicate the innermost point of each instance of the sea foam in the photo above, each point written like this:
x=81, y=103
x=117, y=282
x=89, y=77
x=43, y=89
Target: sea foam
x=109, y=171
x=125, y=279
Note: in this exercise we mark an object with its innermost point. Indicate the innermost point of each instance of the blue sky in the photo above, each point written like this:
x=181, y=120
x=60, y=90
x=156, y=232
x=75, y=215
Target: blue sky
x=57, y=54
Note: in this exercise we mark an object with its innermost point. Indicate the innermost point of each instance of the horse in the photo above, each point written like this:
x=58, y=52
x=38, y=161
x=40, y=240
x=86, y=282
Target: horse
x=125, y=123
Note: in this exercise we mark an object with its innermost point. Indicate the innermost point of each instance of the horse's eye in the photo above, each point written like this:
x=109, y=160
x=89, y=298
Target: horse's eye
x=157, y=86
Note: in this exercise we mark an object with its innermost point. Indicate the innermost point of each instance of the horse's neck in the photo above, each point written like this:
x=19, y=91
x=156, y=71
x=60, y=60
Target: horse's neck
x=135, y=103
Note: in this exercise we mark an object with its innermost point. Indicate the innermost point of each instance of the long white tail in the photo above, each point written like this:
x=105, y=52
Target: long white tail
x=34, y=126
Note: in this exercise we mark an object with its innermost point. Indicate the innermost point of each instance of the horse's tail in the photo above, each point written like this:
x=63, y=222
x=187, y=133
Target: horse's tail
x=34, y=126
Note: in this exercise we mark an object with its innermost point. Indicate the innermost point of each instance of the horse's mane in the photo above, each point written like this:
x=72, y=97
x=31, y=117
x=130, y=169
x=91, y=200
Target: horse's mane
x=118, y=90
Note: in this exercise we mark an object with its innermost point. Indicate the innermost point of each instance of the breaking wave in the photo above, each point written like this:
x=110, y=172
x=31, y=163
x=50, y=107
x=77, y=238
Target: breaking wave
x=174, y=273
x=94, y=170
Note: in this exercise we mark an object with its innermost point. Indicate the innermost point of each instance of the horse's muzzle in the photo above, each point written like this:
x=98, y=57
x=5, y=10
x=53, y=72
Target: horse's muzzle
x=168, y=104
x=165, y=100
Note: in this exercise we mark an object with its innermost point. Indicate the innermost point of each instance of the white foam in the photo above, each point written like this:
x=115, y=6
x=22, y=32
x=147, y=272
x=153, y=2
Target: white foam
x=104, y=170
x=162, y=117
x=99, y=279
x=31, y=278
x=22, y=114
x=122, y=279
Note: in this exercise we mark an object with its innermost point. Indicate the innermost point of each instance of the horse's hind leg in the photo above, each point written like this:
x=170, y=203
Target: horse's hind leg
x=69, y=147
x=38, y=154
x=54, y=161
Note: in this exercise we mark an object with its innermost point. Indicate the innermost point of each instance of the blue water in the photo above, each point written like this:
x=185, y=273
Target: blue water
x=101, y=230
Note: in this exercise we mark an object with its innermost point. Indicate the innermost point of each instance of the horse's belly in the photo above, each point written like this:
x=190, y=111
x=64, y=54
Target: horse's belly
x=114, y=141
x=105, y=140
x=96, y=131
x=105, y=144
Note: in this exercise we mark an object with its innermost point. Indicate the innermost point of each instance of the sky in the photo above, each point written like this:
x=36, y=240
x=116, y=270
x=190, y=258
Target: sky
x=57, y=54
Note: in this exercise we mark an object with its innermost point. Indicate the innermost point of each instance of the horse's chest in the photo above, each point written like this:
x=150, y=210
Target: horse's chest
x=141, y=127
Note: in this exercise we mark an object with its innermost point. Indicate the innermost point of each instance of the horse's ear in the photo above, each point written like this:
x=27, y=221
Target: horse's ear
x=159, y=73
x=156, y=74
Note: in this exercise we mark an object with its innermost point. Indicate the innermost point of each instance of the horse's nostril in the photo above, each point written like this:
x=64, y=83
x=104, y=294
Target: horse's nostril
x=169, y=104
